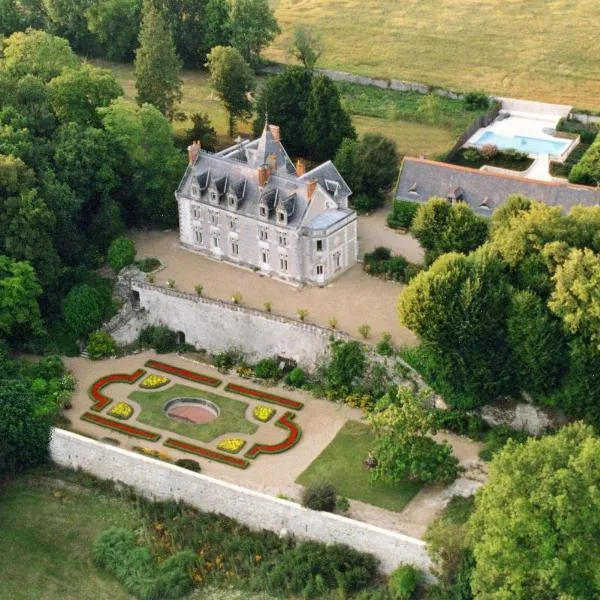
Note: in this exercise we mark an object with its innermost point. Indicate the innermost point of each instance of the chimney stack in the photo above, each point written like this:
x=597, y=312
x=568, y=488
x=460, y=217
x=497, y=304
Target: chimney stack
x=276, y=132
x=300, y=168
x=193, y=151
x=263, y=175
x=311, y=186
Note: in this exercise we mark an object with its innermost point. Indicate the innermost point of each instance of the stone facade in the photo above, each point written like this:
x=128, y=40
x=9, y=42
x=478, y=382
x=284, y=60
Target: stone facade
x=251, y=206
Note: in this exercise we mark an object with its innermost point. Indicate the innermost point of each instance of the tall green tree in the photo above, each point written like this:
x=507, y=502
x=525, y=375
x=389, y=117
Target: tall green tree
x=306, y=45
x=157, y=66
x=187, y=20
x=67, y=19
x=216, y=24
x=83, y=309
x=233, y=80
x=536, y=526
x=252, y=27
x=327, y=123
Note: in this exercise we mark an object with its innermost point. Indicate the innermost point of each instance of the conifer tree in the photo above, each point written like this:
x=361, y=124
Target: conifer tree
x=157, y=66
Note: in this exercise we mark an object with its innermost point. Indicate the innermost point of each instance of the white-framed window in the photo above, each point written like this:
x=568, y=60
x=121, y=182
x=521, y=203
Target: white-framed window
x=319, y=245
x=196, y=212
x=282, y=238
x=232, y=201
x=198, y=236
x=214, y=218
x=264, y=256
x=195, y=191
x=235, y=248
x=337, y=260
x=281, y=217
x=263, y=234
x=214, y=196
x=263, y=211
x=319, y=269
x=233, y=222
x=283, y=263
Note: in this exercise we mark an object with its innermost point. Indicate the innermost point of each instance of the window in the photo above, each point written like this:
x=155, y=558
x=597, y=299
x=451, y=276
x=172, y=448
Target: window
x=195, y=191
x=319, y=245
x=214, y=218
x=281, y=217
x=263, y=234
x=263, y=211
x=337, y=259
x=235, y=249
x=232, y=201
x=198, y=236
x=265, y=256
x=214, y=197
x=319, y=269
x=233, y=223
x=283, y=263
x=215, y=241
x=196, y=214
x=414, y=189
x=282, y=239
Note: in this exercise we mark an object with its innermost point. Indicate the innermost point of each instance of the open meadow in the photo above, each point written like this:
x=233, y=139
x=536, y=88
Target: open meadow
x=534, y=49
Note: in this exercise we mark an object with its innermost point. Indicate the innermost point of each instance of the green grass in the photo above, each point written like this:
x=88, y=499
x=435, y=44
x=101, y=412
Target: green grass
x=341, y=464
x=47, y=540
x=521, y=48
x=230, y=420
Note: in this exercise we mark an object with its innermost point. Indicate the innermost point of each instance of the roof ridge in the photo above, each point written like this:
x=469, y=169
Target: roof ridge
x=499, y=175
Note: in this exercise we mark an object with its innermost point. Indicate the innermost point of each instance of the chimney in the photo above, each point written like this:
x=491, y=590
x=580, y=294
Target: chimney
x=263, y=176
x=311, y=186
x=193, y=151
x=276, y=132
x=300, y=168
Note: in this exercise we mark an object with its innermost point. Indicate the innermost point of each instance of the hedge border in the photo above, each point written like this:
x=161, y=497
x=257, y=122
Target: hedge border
x=121, y=427
x=94, y=391
x=255, y=394
x=232, y=461
x=295, y=434
x=183, y=373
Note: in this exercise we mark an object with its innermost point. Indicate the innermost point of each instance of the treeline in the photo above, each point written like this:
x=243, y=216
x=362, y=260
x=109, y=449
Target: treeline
x=510, y=310
x=110, y=28
x=78, y=164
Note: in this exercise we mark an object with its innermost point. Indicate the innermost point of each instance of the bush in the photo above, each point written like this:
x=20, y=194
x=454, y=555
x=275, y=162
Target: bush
x=497, y=438
x=296, y=377
x=121, y=253
x=403, y=582
x=267, y=368
x=100, y=344
x=363, y=203
x=472, y=155
x=159, y=337
x=342, y=505
x=148, y=264
x=477, y=101
x=385, y=346
x=402, y=214
x=199, y=288
x=364, y=330
x=228, y=359
x=188, y=463
x=84, y=309
x=587, y=133
x=411, y=271
x=587, y=170
x=460, y=422
x=344, y=373
x=489, y=151
x=320, y=496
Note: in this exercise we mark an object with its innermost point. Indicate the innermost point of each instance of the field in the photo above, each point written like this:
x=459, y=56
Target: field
x=532, y=49
x=341, y=464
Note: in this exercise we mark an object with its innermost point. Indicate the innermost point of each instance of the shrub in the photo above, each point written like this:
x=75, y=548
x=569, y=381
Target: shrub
x=302, y=313
x=121, y=253
x=515, y=155
x=171, y=283
x=460, y=422
x=199, y=288
x=268, y=306
x=159, y=337
x=403, y=582
x=364, y=330
x=476, y=101
x=188, y=463
x=342, y=505
x=320, y=496
x=396, y=268
x=472, y=155
x=587, y=170
x=380, y=253
x=497, y=438
x=267, y=368
x=228, y=359
x=344, y=373
x=100, y=344
x=587, y=133
x=402, y=214
x=489, y=151
x=385, y=346
x=84, y=308
x=296, y=377
x=148, y=264
x=333, y=323
x=236, y=298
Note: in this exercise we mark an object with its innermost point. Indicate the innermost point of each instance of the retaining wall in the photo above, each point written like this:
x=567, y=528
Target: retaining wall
x=163, y=481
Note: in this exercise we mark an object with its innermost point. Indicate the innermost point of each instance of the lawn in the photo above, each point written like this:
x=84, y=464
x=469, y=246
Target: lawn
x=230, y=420
x=341, y=464
x=521, y=48
x=47, y=539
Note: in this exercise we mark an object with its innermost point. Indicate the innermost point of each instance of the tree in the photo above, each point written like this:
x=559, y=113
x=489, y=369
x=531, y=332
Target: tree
x=403, y=446
x=327, y=123
x=157, y=66
x=203, y=131
x=121, y=253
x=24, y=428
x=216, y=24
x=10, y=18
x=77, y=93
x=284, y=98
x=536, y=526
x=253, y=27
x=346, y=369
x=576, y=297
x=233, y=80
x=115, y=23
x=19, y=291
x=37, y=53
x=83, y=309
x=306, y=45
x=67, y=19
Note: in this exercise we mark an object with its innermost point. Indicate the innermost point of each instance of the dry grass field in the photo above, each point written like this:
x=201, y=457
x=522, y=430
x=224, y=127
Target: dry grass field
x=544, y=50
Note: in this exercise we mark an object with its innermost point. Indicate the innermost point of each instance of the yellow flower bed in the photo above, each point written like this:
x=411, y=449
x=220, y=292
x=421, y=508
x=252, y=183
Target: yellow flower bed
x=231, y=445
x=263, y=413
x=154, y=381
x=121, y=410
x=164, y=456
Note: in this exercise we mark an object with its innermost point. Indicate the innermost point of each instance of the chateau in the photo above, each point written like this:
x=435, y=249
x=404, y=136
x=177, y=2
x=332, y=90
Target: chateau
x=250, y=205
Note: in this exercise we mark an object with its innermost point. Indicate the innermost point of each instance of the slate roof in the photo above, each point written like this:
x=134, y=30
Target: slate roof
x=421, y=179
x=235, y=170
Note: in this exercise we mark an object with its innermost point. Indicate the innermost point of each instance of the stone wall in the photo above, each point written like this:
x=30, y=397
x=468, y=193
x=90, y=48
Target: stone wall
x=163, y=481
x=216, y=326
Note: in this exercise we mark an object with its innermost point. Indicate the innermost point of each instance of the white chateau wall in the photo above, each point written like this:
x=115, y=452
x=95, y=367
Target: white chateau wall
x=217, y=326
x=163, y=481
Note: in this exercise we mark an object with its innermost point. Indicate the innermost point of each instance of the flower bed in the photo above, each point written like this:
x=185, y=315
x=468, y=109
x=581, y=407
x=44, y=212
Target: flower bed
x=120, y=427
x=121, y=410
x=260, y=395
x=286, y=422
x=100, y=400
x=232, y=461
x=231, y=445
x=184, y=373
x=153, y=382
x=263, y=413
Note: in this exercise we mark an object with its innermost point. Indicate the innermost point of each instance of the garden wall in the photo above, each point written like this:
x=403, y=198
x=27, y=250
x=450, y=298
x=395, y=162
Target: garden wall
x=217, y=326
x=163, y=481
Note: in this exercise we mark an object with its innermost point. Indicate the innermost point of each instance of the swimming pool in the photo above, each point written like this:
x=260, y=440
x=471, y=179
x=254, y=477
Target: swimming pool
x=528, y=145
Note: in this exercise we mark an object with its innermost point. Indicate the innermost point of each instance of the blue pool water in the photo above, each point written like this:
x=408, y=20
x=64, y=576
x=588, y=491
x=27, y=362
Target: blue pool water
x=522, y=144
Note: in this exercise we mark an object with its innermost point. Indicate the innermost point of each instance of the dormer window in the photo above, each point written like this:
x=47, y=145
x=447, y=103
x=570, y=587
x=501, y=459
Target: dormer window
x=214, y=196
x=232, y=201
x=281, y=217
x=414, y=189
x=195, y=191
x=263, y=211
